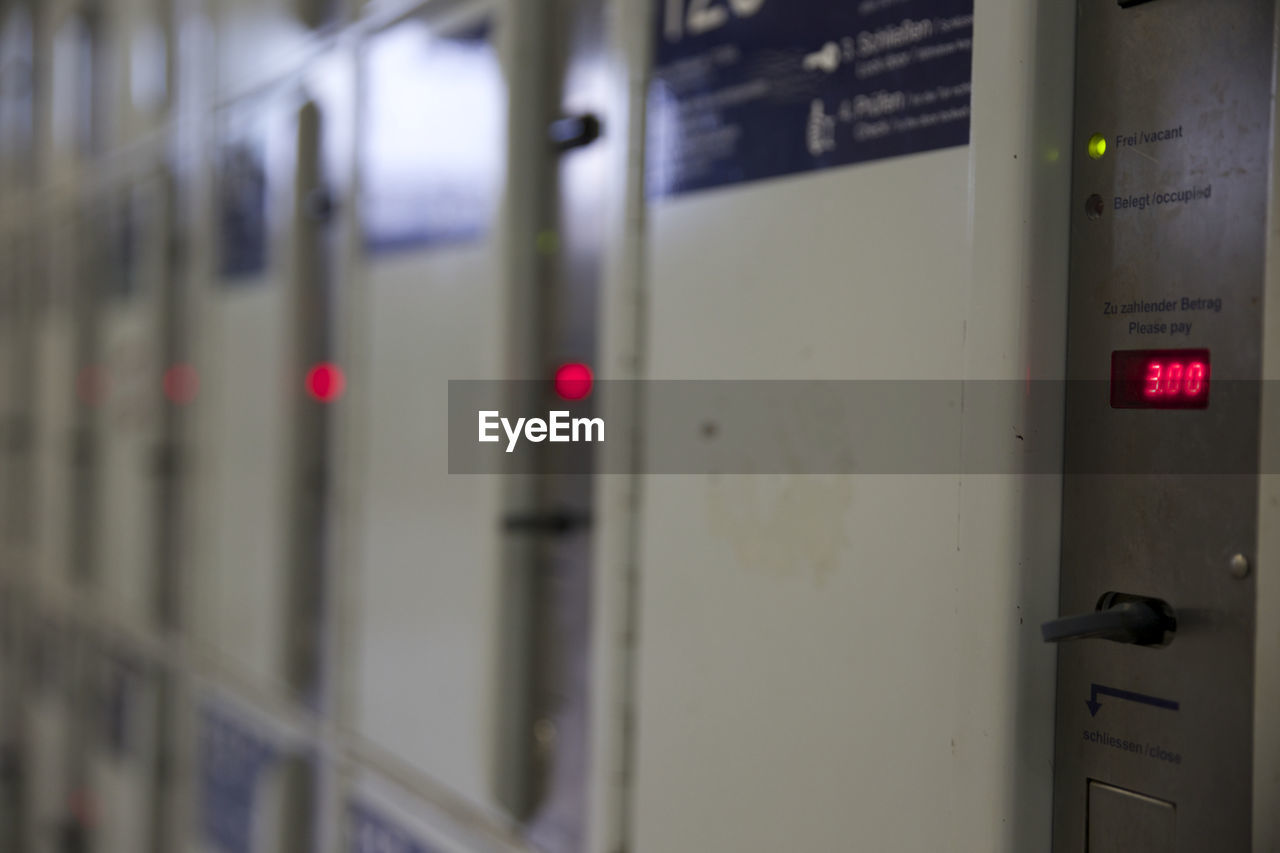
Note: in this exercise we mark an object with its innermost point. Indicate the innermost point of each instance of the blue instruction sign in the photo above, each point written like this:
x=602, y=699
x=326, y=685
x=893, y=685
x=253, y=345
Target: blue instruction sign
x=751, y=89
x=434, y=136
x=242, y=209
x=232, y=758
x=372, y=832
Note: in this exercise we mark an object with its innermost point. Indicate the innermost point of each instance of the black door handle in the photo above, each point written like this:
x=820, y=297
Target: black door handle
x=1120, y=618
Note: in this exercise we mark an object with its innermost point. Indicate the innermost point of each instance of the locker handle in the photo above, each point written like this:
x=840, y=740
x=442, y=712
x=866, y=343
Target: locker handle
x=555, y=522
x=1120, y=618
x=576, y=131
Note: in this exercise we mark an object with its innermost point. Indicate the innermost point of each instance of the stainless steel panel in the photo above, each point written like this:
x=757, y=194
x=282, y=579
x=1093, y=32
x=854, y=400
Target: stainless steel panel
x=1157, y=501
x=1121, y=821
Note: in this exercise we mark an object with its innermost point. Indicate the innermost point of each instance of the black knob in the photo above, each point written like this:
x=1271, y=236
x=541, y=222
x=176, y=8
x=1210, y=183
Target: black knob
x=575, y=131
x=558, y=522
x=1120, y=618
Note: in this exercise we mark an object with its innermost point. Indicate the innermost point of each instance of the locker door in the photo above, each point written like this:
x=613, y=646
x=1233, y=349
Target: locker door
x=243, y=415
x=121, y=780
x=17, y=102
x=258, y=41
x=16, y=499
x=266, y=324
x=60, y=383
x=424, y=662
x=75, y=83
x=842, y=192
x=47, y=718
x=130, y=356
x=139, y=32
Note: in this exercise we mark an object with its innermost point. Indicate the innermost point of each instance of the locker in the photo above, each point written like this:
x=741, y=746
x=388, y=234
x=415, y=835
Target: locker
x=76, y=87
x=138, y=35
x=26, y=278
x=62, y=385
x=256, y=43
x=778, y=697
x=265, y=327
x=243, y=401
x=17, y=107
x=121, y=777
x=48, y=719
x=426, y=588
x=139, y=385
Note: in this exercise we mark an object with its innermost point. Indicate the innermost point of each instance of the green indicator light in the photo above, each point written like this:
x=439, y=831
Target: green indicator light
x=1097, y=146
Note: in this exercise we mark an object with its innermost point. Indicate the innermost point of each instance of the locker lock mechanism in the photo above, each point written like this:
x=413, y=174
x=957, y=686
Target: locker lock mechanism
x=1118, y=617
x=575, y=131
x=555, y=522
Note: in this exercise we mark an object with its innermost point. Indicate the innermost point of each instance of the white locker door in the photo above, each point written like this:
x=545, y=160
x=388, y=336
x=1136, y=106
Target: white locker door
x=248, y=385
x=46, y=723
x=60, y=383
x=261, y=40
x=426, y=593
x=17, y=104
x=123, y=764
x=16, y=499
x=131, y=352
x=138, y=67
x=832, y=652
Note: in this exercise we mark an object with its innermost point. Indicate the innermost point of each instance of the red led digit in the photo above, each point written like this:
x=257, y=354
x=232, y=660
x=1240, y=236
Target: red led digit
x=1173, y=385
x=1196, y=375
x=1153, y=379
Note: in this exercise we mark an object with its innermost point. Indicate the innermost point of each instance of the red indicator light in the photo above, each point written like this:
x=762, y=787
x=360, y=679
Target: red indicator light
x=326, y=382
x=91, y=385
x=1160, y=379
x=181, y=384
x=574, y=381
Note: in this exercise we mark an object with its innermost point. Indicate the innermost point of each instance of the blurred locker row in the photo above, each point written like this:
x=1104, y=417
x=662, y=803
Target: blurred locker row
x=245, y=247
x=247, y=605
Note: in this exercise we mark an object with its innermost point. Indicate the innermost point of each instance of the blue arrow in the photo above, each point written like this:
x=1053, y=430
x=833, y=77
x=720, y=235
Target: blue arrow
x=1099, y=690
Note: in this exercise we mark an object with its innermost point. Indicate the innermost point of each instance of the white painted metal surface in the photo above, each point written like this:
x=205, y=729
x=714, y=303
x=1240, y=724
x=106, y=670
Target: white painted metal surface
x=247, y=386
x=131, y=352
x=835, y=661
x=425, y=596
x=136, y=69
x=46, y=723
x=56, y=394
x=256, y=42
x=122, y=769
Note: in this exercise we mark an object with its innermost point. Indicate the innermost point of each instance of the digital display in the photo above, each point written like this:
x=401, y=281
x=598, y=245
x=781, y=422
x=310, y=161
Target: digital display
x=1160, y=379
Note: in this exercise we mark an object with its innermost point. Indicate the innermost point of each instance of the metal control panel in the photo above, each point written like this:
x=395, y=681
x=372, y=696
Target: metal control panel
x=1156, y=718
